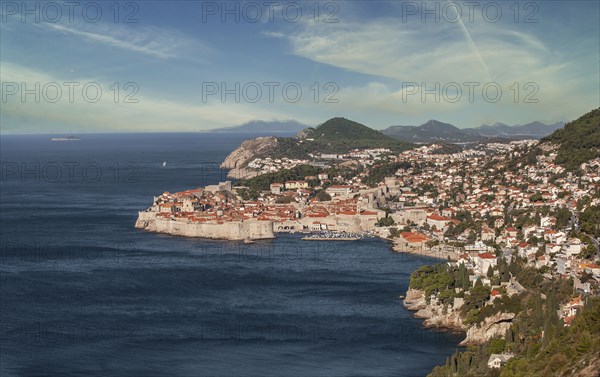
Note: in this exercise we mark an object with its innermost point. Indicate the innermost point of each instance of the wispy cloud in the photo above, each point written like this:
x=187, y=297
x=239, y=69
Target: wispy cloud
x=158, y=42
x=420, y=51
x=396, y=53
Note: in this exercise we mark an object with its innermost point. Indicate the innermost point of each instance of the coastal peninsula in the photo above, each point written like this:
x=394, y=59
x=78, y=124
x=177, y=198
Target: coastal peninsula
x=515, y=224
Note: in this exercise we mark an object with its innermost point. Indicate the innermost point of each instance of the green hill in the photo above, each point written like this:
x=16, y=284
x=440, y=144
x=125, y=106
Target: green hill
x=338, y=135
x=579, y=140
x=336, y=128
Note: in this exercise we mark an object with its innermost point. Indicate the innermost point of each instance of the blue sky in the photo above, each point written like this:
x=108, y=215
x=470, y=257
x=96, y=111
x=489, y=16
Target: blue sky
x=376, y=62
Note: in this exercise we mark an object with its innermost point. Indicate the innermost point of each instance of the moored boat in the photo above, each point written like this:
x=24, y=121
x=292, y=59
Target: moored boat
x=334, y=236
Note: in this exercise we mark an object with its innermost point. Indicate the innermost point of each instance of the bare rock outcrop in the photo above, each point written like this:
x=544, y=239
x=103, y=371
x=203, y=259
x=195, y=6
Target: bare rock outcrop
x=249, y=150
x=495, y=325
x=246, y=152
x=437, y=315
x=415, y=300
x=305, y=133
x=433, y=313
x=592, y=368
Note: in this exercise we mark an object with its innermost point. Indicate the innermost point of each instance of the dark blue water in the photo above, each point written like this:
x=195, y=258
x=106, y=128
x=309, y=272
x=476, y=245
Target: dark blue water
x=84, y=293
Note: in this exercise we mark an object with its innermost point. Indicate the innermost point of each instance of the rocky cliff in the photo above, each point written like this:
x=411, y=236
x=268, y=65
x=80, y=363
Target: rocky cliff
x=493, y=326
x=305, y=133
x=246, y=152
x=435, y=315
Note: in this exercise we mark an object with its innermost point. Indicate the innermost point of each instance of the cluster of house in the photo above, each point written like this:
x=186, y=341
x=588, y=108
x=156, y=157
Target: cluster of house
x=486, y=195
x=455, y=184
x=365, y=157
x=433, y=193
x=270, y=165
x=221, y=203
x=373, y=154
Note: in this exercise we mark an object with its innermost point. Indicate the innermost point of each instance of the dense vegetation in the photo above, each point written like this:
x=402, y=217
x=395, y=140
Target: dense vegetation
x=590, y=220
x=541, y=344
x=446, y=148
x=579, y=140
x=561, y=350
x=341, y=134
x=379, y=172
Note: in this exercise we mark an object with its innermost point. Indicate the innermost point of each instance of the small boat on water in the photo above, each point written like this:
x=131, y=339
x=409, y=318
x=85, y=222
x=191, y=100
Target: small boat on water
x=248, y=240
x=65, y=138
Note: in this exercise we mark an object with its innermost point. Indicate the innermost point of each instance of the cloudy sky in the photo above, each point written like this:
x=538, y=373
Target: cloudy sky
x=192, y=65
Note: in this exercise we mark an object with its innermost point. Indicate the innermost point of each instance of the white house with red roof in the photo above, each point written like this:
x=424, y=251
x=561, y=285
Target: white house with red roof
x=483, y=262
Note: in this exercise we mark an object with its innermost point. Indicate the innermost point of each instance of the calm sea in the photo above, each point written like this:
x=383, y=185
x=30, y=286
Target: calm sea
x=83, y=293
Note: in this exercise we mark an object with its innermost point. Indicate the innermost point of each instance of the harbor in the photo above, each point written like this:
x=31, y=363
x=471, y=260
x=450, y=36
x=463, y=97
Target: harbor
x=334, y=236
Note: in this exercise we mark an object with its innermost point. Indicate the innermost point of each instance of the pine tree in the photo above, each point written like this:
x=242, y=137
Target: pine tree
x=514, y=267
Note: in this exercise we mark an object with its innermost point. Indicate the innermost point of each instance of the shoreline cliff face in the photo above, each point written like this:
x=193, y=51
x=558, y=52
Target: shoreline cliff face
x=434, y=315
x=491, y=327
x=237, y=160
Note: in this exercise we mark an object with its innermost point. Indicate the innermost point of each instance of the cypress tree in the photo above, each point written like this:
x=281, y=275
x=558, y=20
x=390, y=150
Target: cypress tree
x=454, y=364
x=490, y=272
x=504, y=272
x=537, y=310
x=552, y=306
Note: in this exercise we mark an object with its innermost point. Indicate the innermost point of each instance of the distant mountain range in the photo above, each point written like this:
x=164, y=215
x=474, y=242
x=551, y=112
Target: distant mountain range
x=436, y=131
x=430, y=132
x=265, y=127
x=536, y=130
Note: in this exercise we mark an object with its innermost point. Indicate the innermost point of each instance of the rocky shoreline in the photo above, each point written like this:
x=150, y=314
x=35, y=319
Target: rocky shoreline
x=237, y=160
x=435, y=316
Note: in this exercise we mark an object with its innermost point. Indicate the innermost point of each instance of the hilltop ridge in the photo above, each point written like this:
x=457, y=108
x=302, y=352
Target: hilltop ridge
x=430, y=131
x=435, y=131
x=336, y=135
x=579, y=140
